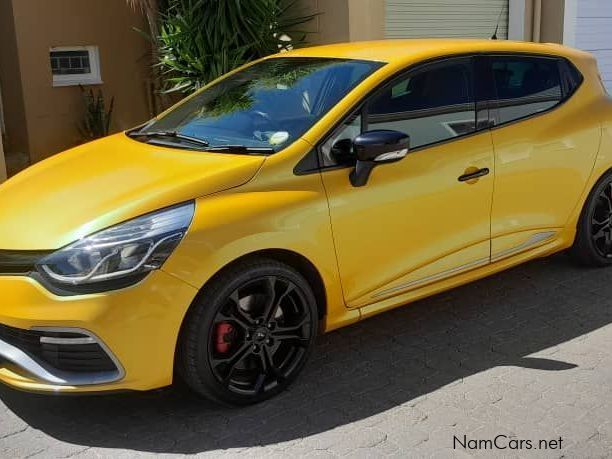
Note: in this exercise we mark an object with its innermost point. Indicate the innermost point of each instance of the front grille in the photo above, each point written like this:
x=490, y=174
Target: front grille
x=19, y=262
x=78, y=358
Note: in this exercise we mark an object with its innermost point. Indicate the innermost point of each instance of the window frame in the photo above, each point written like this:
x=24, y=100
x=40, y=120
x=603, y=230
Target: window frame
x=483, y=78
x=361, y=108
x=92, y=78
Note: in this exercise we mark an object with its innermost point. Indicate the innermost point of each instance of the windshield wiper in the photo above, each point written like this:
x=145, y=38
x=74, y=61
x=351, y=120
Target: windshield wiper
x=171, y=134
x=241, y=149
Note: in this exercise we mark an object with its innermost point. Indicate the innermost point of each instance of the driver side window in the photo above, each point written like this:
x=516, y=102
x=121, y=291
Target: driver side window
x=431, y=104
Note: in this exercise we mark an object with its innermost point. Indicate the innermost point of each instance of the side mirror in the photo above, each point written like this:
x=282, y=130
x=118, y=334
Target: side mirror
x=377, y=147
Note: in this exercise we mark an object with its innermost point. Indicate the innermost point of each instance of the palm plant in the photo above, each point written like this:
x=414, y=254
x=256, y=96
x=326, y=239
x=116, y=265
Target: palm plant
x=151, y=9
x=199, y=40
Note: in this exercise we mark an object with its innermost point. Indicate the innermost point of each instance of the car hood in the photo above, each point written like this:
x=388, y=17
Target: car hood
x=105, y=182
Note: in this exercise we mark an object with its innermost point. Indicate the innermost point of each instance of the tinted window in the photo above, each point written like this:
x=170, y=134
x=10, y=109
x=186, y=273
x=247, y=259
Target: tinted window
x=430, y=105
x=525, y=85
x=269, y=104
x=573, y=78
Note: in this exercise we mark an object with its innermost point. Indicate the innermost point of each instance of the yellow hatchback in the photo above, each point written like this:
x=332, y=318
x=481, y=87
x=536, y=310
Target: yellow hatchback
x=296, y=195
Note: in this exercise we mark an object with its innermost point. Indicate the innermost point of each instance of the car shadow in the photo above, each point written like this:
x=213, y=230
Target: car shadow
x=356, y=372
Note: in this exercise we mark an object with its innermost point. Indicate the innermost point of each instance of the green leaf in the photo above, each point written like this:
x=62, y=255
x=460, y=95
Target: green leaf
x=97, y=118
x=200, y=40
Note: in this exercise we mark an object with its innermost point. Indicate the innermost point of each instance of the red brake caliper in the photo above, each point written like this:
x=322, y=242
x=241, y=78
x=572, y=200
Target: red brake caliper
x=224, y=335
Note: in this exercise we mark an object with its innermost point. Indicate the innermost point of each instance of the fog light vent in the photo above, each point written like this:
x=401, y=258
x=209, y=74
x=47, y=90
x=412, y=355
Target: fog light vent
x=66, y=351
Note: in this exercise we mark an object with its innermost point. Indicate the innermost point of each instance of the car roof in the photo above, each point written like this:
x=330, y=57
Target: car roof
x=403, y=51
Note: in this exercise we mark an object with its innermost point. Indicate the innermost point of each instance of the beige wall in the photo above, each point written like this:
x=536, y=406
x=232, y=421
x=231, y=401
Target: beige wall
x=344, y=20
x=2, y=160
x=543, y=20
x=16, y=138
x=551, y=30
x=331, y=23
x=366, y=19
x=52, y=114
x=528, y=20
x=2, y=163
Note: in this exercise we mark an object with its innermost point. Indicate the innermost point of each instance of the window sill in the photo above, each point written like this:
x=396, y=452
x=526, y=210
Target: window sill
x=77, y=82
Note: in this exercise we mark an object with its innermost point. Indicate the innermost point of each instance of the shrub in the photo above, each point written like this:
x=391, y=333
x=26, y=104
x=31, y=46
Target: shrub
x=97, y=118
x=200, y=40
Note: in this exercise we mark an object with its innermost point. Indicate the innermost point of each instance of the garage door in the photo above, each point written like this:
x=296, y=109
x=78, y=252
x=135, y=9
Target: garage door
x=594, y=34
x=445, y=18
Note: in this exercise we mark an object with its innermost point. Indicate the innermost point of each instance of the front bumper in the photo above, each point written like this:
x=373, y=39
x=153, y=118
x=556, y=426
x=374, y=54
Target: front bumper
x=121, y=340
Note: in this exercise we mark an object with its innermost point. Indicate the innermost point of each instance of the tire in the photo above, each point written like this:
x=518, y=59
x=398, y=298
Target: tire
x=249, y=333
x=593, y=243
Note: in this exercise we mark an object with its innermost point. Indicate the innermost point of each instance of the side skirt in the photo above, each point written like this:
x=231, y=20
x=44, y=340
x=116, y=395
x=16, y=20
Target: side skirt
x=499, y=263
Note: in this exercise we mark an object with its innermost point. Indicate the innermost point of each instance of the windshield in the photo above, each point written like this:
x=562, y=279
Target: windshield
x=266, y=106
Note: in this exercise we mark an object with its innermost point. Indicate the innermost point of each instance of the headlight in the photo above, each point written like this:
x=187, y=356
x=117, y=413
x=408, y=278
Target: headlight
x=127, y=250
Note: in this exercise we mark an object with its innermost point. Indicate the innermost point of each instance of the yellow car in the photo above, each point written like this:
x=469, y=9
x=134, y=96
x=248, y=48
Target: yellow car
x=296, y=195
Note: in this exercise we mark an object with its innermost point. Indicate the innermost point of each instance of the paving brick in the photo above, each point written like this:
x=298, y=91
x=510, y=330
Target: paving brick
x=527, y=353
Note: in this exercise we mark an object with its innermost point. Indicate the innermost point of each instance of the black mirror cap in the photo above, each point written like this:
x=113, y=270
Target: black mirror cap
x=378, y=145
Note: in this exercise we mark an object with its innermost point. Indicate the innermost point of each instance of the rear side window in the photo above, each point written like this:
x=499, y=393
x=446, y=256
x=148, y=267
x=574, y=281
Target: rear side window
x=571, y=78
x=525, y=85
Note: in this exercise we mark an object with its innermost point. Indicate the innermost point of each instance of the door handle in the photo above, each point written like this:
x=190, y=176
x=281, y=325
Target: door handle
x=474, y=175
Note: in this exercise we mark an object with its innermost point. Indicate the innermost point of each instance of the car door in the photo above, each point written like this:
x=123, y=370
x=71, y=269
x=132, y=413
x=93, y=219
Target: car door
x=545, y=140
x=414, y=222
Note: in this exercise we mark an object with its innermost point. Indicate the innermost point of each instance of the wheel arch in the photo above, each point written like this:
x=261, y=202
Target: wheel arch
x=301, y=263
x=602, y=166
x=598, y=176
x=297, y=261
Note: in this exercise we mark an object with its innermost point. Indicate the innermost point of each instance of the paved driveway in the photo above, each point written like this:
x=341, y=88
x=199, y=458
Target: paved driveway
x=523, y=355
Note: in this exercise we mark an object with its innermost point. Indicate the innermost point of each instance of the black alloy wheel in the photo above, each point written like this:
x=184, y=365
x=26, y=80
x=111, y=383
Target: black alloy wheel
x=593, y=243
x=601, y=222
x=251, y=335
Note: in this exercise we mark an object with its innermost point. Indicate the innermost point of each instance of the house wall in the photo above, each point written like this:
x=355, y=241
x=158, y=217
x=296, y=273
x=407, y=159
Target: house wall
x=2, y=163
x=343, y=20
x=366, y=19
x=588, y=26
x=52, y=114
x=551, y=30
x=542, y=20
x=15, y=123
x=331, y=24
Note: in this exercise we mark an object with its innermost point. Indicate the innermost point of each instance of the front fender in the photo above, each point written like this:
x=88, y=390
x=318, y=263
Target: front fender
x=238, y=222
